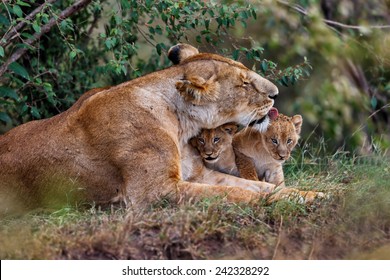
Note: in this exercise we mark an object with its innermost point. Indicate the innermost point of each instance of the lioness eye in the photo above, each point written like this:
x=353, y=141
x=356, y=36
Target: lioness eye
x=245, y=83
x=274, y=141
x=289, y=141
x=201, y=141
x=216, y=139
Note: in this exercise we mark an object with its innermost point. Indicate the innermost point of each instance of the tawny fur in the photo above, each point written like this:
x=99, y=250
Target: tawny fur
x=130, y=142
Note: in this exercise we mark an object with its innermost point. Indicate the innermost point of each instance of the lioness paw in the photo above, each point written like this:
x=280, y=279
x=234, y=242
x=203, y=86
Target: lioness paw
x=302, y=197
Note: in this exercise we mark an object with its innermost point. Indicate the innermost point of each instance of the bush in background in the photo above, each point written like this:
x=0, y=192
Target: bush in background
x=53, y=51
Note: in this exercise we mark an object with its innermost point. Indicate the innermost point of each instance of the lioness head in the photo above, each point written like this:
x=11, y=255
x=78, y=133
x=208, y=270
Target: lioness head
x=282, y=136
x=212, y=83
x=212, y=142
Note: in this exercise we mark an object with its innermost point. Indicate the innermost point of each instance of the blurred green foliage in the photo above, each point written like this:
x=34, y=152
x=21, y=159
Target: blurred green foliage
x=345, y=101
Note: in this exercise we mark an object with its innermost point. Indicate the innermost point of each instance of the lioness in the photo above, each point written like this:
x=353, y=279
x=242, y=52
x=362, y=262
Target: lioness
x=261, y=155
x=130, y=142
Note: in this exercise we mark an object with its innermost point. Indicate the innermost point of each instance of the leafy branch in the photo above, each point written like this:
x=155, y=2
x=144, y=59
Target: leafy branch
x=43, y=30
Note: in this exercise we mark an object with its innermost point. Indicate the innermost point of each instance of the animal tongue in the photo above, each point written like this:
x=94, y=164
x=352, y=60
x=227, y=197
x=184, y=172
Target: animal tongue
x=273, y=113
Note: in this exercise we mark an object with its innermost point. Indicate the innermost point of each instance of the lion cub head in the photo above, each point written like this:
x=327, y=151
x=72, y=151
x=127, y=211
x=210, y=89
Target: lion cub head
x=211, y=143
x=282, y=136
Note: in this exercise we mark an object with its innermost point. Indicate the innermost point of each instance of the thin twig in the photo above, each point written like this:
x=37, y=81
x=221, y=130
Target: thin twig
x=14, y=33
x=145, y=37
x=302, y=11
x=370, y=116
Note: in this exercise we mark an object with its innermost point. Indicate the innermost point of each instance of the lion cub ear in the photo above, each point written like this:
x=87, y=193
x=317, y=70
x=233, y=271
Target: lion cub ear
x=230, y=128
x=297, y=121
x=180, y=52
x=197, y=90
x=194, y=142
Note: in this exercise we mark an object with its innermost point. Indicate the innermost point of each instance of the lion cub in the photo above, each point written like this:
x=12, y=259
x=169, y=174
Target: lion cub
x=254, y=155
x=261, y=155
x=215, y=148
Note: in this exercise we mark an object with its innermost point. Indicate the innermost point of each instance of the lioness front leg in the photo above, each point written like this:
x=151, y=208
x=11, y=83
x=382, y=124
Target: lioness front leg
x=191, y=190
x=211, y=177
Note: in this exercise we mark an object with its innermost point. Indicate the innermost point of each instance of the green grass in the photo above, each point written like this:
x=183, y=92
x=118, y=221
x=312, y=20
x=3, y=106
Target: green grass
x=353, y=223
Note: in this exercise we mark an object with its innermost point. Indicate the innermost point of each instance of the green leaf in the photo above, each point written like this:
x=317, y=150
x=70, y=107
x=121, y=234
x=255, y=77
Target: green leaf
x=5, y=118
x=36, y=27
x=21, y=3
x=235, y=54
x=1, y=51
x=34, y=112
x=109, y=44
x=125, y=4
x=124, y=69
x=264, y=66
x=284, y=81
x=244, y=14
x=72, y=54
x=158, y=30
x=4, y=20
x=158, y=47
x=17, y=11
x=374, y=102
x=207, y=23
x=254, y=14
x=27, y=35
x=8, y=92
x=24, y=109
x=293, y=80
x=164, y=17
x=19, y=70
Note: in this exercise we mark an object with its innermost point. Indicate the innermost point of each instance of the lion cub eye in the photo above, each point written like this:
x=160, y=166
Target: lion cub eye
x=275, y=141
x=289, y=141
x=201, y=141
x=216, y=140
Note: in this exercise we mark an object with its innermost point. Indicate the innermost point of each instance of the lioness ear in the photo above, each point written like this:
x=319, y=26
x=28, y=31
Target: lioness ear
x=230, y=128
x=297, y=121
x=197, y=90
x=180, y=52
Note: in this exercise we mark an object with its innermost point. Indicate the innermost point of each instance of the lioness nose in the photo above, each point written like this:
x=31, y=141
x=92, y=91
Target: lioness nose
x=272, y=90
x=274, y=93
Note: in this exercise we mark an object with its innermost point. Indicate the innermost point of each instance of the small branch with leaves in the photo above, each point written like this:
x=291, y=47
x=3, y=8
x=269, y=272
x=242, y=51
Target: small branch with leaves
x=44, y=29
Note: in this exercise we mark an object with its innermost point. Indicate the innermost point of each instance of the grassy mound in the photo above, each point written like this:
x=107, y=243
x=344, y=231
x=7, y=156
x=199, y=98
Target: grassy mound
x=353, y=223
